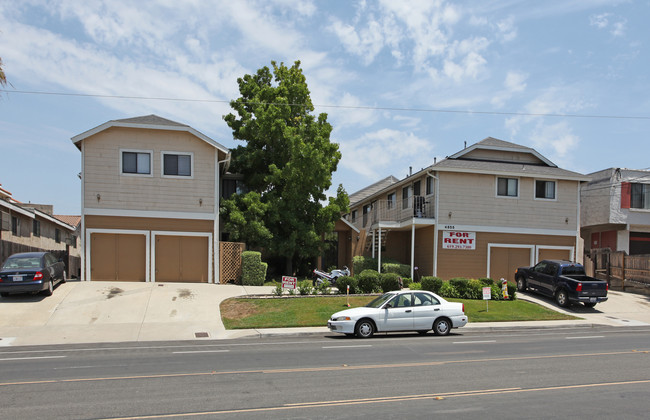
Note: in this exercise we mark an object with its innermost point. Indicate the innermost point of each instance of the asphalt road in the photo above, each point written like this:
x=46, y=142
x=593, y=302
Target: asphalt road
x=601, y=372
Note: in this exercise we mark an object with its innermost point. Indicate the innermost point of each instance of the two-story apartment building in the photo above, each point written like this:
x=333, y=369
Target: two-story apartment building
x=481, y=212
x=150, y=200
x=615, y=211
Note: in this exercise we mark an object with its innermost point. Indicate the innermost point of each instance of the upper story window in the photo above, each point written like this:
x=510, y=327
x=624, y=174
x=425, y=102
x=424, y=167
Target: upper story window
x=390, y=201
x=136, y=162
x=36, y=227
x=177, y=164
x=416, y=188
x=15, y=226
x=507, y=187
x=407, y=192
x=354, y=216
x=640, y=196
x=57, y=236
x=545, y=190
x=429, y=185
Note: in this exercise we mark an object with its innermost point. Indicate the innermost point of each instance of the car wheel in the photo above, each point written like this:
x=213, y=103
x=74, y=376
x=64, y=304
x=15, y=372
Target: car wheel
x=50, y=288
x=589, y=304
x=365, y=329
x=521, y=284
x=562, y=298
x=4, y=294
x=65, y=277
x=442, y=326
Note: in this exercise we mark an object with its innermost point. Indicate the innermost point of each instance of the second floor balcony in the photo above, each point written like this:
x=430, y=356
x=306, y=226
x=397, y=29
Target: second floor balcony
x=392, y=211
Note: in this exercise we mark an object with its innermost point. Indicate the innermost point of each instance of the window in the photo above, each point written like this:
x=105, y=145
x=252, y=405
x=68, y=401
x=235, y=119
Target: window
x=429, y=186
x=507, y=187
x=640, y=196
x=416, y=188
x=390, y=201
x=134, y=162
x=366, y=210
x=545, y=190
x=57, y=236
x=36, y=227
x=424, y=299
x=406, y=194
x=177, y=164
x=354, y=216
x=15, y=225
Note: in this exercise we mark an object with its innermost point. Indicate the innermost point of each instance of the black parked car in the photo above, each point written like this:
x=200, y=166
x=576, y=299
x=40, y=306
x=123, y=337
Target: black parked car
x=31, y=272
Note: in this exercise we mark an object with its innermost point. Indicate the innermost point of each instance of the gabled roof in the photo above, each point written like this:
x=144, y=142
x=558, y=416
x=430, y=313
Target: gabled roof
x=69, y=220
x=372, y=189
x=490, y=143
x=152, y=122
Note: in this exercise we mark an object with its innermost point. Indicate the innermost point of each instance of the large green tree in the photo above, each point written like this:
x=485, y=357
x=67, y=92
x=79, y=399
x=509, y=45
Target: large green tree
x=3, y=79
x=287, y=165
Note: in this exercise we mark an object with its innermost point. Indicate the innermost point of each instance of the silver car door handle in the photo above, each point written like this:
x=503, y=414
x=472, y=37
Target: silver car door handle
x=408, y=310
x=437, y=309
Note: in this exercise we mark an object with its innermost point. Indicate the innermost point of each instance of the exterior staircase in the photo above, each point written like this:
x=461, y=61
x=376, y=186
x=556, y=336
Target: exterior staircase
x=380, y=240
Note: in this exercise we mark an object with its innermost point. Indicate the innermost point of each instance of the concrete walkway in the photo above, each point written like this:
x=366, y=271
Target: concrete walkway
x=100, y=312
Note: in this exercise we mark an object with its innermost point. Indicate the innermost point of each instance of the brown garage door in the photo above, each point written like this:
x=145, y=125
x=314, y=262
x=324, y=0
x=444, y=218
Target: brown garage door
x=504, y=262
x=117, y=257
x=182, y=259
x=554, y=254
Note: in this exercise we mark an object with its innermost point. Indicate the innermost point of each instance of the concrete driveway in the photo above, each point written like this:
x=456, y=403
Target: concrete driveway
x=95, y=312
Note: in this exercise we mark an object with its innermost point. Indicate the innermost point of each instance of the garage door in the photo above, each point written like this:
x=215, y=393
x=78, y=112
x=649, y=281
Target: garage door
x=182, y=259
x=504, y=261
x=117, y=257
x=554, y=254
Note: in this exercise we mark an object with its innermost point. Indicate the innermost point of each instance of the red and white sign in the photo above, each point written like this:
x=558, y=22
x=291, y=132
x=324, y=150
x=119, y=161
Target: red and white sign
x=453, y=239
x=289, y=282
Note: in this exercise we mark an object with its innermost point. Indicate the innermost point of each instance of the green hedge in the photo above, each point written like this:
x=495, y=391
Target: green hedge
x=463, y=288
x=253, y=269
x=401, y=270
x=342, y=283
x=431, y=283
x=368, y=281
x=389, y=282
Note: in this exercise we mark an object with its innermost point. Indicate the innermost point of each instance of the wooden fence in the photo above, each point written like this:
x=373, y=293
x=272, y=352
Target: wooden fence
x=619, y=269
x=230, y=261
x=72, y=264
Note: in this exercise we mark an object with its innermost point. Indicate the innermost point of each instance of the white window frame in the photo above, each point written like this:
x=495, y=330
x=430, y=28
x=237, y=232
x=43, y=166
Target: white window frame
x=121, y=168
x=162, y=164
x=555, y=183
x=496, y=187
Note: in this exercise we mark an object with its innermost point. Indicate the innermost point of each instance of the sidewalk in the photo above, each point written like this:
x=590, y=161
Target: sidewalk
x=101, y=312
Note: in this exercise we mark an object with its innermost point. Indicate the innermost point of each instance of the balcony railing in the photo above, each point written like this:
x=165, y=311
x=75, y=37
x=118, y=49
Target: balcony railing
x=395, y=211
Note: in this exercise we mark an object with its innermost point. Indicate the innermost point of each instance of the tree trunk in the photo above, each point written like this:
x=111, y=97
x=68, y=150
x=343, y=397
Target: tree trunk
x=288, y=266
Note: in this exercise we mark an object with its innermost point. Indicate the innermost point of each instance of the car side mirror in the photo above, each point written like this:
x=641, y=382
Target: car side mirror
x=388, y=306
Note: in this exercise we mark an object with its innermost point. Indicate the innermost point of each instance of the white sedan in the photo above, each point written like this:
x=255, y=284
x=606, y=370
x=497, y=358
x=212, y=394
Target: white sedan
x=403, y=310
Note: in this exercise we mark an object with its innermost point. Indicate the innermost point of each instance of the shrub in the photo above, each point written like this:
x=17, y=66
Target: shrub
x=360, y=263
x=415, y=286
x=305, y=287
x=343, y=282
x=474, y=289
x=512, y=290
x=431, y=283
x=323, y=288
x=278, y=289
x=486, y=281
x=402, y=270
x=448, y=290
x=461, y=284
x=368, y=281
x=407, y=282
x=253, y=269
x=389, y=281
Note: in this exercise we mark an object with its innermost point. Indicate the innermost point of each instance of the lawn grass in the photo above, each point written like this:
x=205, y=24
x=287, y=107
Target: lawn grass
x=238, y=313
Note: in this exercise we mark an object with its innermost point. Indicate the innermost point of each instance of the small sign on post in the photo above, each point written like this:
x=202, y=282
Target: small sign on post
x=487, y=295
x=289, y=282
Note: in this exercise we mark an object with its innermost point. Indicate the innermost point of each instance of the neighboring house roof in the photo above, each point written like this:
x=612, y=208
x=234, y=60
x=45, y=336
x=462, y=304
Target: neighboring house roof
x=30, y=212
x=372, y=189
x=490, y=143
x=152, y=122
x=69, y=220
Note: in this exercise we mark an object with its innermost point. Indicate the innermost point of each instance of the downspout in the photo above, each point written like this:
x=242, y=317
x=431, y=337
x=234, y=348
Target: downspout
x=412, y=246
x=575, y=254
x=82, y=235
x=217, y=202
x=379, y=252
x=435, y=230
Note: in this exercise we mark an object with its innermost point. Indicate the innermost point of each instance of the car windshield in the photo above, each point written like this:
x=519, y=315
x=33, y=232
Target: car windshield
x=22, y=262
x=376, y=303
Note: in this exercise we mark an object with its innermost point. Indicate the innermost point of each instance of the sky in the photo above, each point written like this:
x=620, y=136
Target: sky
x=402, y=82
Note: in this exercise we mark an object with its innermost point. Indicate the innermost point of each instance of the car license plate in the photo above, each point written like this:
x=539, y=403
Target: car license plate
x=592, y=300
x=17, y=278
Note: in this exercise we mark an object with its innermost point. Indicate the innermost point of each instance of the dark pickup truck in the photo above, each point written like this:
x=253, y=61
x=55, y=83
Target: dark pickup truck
x=563, y=280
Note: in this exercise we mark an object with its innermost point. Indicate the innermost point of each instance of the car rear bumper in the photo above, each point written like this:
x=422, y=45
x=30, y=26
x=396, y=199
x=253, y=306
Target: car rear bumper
x=458, y=321
x=33, y=286
x=590, y=299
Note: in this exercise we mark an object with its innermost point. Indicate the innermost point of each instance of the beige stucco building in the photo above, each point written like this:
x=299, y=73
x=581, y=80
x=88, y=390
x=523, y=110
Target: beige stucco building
x=481, y=212
x=150, y=200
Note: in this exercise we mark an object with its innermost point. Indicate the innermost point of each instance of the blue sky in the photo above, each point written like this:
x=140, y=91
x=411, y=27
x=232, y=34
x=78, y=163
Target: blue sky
x=402, y=82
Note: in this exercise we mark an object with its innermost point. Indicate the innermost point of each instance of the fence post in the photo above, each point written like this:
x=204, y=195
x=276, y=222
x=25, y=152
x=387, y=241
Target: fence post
x=623, y=271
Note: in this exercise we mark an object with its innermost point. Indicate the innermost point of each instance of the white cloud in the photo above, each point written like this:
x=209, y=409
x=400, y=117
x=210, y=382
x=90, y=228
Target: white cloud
x=599, y=21
x=515, y=82
x=607, y=20
x=507, y=29
x=373, y=153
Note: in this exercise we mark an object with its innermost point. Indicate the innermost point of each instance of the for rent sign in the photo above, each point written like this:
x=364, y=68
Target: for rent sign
x=453, y=239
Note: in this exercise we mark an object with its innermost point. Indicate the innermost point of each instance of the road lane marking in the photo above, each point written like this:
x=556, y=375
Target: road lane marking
x=339, y=403
x=31, y=358
x=347, y=347
x=200, y=351
x=326, y=368
x=474, y=342
x=584, y=337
